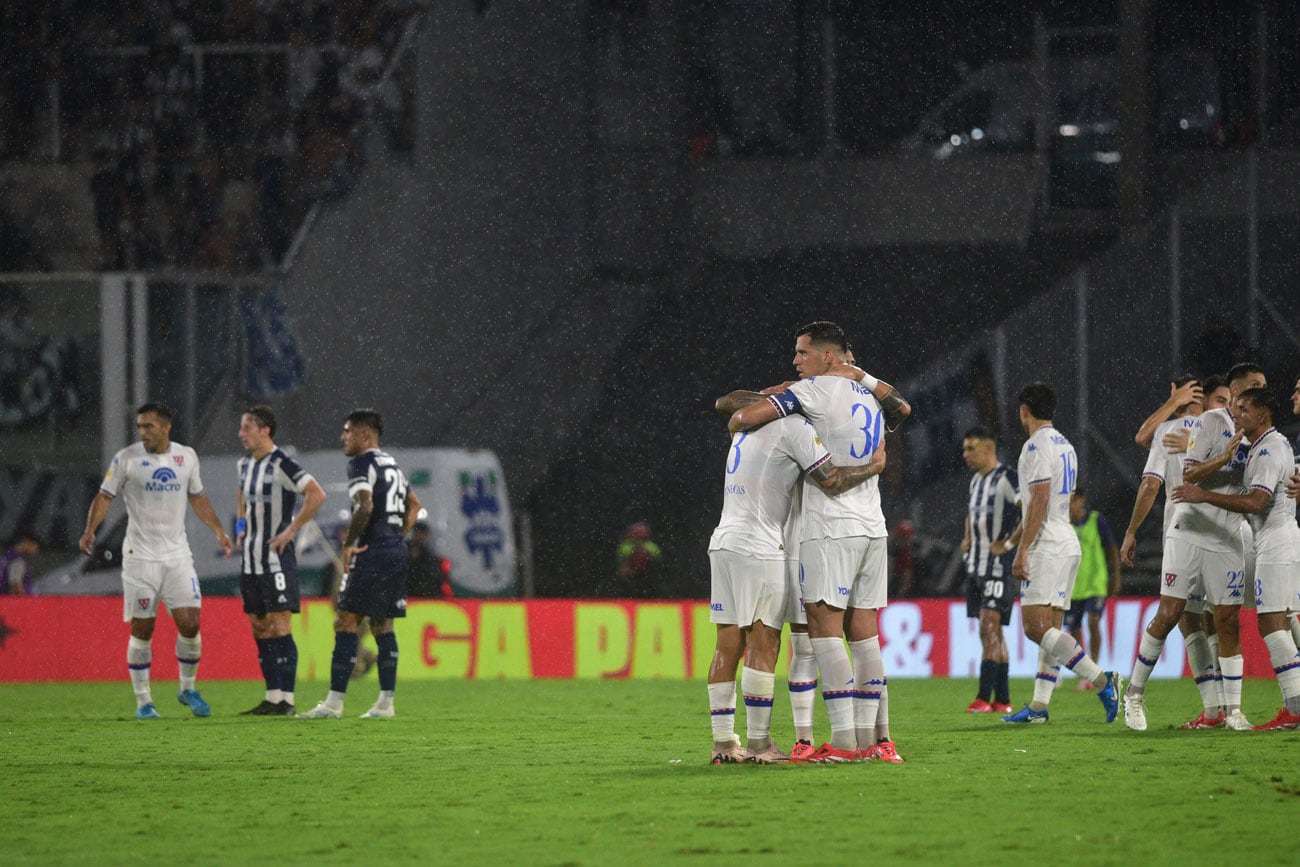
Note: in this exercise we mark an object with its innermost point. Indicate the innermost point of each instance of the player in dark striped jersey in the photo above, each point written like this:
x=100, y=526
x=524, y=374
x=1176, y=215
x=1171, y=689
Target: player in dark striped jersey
x=384, y=508
x=992, y=514
x=269, y=484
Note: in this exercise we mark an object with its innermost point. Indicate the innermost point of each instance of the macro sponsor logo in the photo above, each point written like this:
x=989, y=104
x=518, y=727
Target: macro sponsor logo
x=163, y=480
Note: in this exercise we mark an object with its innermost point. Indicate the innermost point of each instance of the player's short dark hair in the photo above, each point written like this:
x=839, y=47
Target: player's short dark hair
x=1039, y=398
x=1262, y=398
x=825, y=332
x=366, y=418
x=1244, y=369
x=263, y=415
x=1081, y=493
x=1183, y=378
x=161, y=410
x=979, y=432
x=1213, y=381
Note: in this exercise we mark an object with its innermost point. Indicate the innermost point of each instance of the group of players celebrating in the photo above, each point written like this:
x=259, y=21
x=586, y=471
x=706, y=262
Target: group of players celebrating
x=802, y=540
x=158, y=478
x=1213, y=446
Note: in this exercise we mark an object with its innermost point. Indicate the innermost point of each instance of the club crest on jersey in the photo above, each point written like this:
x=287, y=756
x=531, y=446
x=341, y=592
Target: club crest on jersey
x=179, y=459
x=143, y=603
x=1170, y=578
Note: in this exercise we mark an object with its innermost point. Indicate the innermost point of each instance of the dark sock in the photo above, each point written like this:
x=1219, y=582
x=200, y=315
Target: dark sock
x=1003, y=685
x=988, y=673
x=387, y=664
x=345, y=656
x=287, y=657
x=266, y=660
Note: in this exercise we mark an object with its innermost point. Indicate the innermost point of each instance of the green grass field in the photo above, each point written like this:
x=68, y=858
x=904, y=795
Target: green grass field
x=614, y=772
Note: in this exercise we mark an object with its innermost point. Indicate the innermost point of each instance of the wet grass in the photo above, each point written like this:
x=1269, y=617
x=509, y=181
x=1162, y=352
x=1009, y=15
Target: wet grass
x=615, y=772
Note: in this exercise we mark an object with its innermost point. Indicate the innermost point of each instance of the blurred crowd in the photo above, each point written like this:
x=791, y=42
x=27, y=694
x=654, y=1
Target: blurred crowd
x=175, y=100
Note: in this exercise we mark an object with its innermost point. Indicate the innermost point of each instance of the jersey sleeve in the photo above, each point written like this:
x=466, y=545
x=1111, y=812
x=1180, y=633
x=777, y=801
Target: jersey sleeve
x=1038, y=465
x=1157, y=457
x=295, y=477
x=360, y=476
x=805, y=446
x=804, y=396
x=1263, y=473
x=1010, y=485
x=196, y=480
x=112, y=482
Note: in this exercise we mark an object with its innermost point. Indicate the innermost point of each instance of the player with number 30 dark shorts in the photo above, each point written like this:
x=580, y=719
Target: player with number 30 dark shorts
x=375, y=586
x=994, y=593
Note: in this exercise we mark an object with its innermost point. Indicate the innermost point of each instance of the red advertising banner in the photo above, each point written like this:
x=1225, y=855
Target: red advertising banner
x=72, y=638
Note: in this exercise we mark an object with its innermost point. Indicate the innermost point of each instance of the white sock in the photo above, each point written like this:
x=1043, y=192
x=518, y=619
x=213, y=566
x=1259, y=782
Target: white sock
x=334, y=700
x=1213, y=641
x=837, y=689
x=758, y=688
x=1232, y=668
x=385, y=699
x=1044, y=680
x=1202, y=666
x=1149, y=650
x=1286, y=665
x=187, y=656
x=1070, y=653
x=869, y=679
x=882, y=718
x=139, y=657
x=285, y=695
x=722, y=710
x=803, y=685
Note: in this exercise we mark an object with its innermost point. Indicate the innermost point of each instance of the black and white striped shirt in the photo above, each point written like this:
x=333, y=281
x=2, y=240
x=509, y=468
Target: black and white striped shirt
x=269, y=487
x=994, y=511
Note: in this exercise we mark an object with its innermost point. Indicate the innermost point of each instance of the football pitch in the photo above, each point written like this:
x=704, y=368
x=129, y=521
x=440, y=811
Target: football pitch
x=616, y=772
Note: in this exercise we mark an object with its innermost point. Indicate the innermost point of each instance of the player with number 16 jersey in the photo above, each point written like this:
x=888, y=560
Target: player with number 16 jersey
x=1047, y=456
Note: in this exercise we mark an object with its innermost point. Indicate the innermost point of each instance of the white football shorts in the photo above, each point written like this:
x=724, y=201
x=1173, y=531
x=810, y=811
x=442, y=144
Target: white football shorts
x=1051, y=579
x=745, y=590
x=846, y=573
x=145, y=583
x=1221, y=574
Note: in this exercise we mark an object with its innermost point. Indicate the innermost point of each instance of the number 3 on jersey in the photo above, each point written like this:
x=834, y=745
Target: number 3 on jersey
x=734, y=464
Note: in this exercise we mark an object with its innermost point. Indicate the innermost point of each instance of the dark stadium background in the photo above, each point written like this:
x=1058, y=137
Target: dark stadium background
x=537, y=247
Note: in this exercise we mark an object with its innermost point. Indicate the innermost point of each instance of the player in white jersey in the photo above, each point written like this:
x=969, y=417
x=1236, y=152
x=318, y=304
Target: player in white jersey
x=1166, y=468
x=1269, y=464
x=156, y=479
x=1047, y=557
x=269, y=482
x=747, y=559
x=1203, y=545
x=843, y=546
